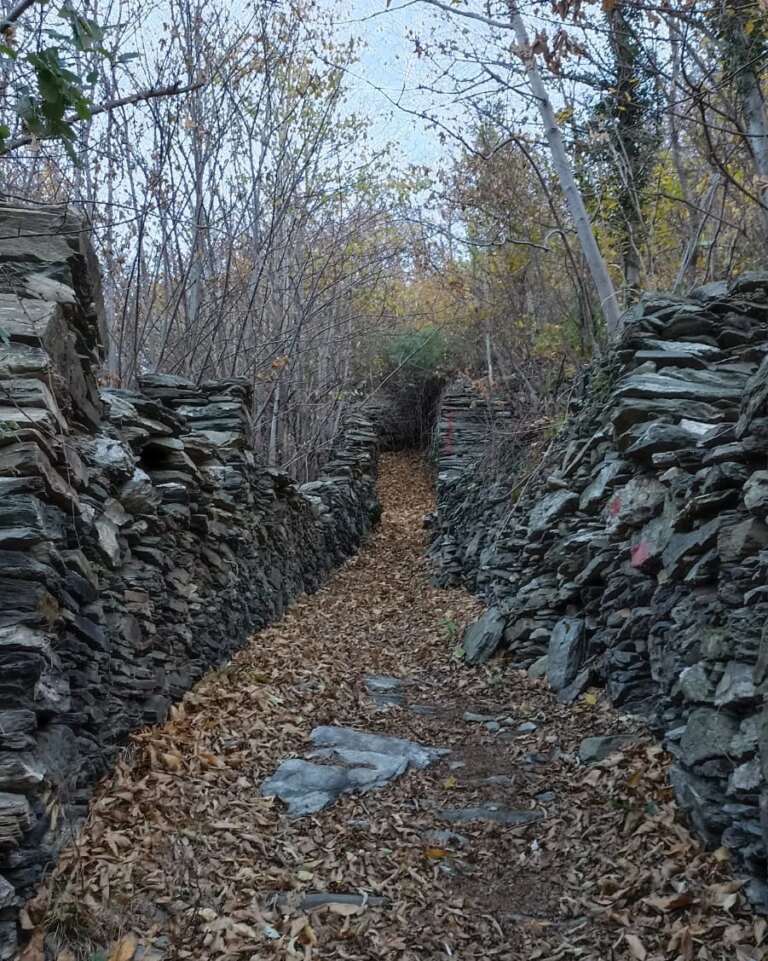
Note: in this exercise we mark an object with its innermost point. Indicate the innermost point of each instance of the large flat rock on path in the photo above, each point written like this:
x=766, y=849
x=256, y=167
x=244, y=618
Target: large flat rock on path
x=346, y=761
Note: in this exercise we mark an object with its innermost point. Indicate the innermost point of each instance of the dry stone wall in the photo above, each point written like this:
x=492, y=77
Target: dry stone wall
x=140, y=541
x=635, y=554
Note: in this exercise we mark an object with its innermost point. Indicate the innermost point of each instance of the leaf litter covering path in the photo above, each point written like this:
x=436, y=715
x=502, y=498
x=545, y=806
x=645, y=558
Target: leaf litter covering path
x=182, y=857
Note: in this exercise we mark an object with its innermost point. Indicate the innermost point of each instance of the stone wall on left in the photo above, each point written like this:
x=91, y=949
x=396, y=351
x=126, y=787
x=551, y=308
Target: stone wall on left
x=140, y=541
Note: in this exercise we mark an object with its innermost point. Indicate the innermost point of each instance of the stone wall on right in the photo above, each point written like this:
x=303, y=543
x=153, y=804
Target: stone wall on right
x=634, y=551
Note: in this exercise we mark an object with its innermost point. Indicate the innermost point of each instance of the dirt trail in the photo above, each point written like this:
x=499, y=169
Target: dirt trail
x=182, y=857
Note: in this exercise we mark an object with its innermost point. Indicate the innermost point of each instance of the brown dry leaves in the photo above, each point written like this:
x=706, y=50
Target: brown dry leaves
x=181, y=857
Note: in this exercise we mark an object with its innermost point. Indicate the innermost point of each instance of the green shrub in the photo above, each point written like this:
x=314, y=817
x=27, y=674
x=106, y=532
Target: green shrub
x=414, y=354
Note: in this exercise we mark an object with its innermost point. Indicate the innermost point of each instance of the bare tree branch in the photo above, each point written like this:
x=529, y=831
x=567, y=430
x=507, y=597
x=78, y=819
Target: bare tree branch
x=174, y=90
x=18, y=11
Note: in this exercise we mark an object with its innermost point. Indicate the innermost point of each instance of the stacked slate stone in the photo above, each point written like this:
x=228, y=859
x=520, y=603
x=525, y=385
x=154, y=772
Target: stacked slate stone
x=140, y=542
x=637, y=557
x=403, y=409
x=50, y=346
x=469, y=428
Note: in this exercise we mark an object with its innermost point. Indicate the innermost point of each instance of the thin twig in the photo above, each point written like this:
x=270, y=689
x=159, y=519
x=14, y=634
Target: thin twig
x=174, y=90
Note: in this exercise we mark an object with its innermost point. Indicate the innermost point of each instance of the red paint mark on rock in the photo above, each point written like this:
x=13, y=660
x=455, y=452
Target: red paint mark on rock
x=448, y=433
x=614, y=508
x=640, y=553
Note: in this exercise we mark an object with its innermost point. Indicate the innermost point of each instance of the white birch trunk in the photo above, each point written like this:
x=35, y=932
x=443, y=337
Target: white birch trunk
x=274, y=425
x=756, y=122
x=597, y=267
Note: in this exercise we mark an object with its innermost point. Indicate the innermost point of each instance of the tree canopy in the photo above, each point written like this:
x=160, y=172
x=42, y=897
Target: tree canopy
x=250, y=221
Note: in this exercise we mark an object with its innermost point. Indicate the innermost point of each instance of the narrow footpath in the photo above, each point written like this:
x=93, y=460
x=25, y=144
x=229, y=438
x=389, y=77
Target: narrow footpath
x=507, y=846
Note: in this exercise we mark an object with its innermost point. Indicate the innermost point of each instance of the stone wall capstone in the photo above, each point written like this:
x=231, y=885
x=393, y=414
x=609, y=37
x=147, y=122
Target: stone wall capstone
x=635, y=553
x=140, y=541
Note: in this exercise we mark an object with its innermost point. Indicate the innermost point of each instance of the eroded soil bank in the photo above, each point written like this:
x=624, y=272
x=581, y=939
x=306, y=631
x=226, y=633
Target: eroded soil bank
x=182, y=857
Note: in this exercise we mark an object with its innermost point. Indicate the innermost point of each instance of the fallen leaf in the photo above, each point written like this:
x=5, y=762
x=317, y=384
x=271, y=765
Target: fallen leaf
x=345, y=910
x=125, y=949
x=307, y=934
x=171, y=761
x=634, y=779
x=674, y=902
x=723, y=895
x=636, y=948
x=436, y=853
x=34, y=950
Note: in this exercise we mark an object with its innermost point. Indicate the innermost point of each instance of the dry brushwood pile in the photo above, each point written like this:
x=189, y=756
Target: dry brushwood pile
x=183, y=858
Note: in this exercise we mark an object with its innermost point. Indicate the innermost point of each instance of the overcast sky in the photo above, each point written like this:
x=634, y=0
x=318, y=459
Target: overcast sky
x=391, y=76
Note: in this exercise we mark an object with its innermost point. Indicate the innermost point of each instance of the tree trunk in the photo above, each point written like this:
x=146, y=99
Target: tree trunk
x=688, y=263
x=489, y=356
x=274, y=425
x=756, y=122
x=597, y=267
x=742, y=56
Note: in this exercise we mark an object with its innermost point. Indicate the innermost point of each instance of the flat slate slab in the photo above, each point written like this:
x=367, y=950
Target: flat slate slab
x=311, y=902
x=490, y=812
x=385, y=691
x=345, y=761
x=595, y=749
x=382, y=684
x=483, y=636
